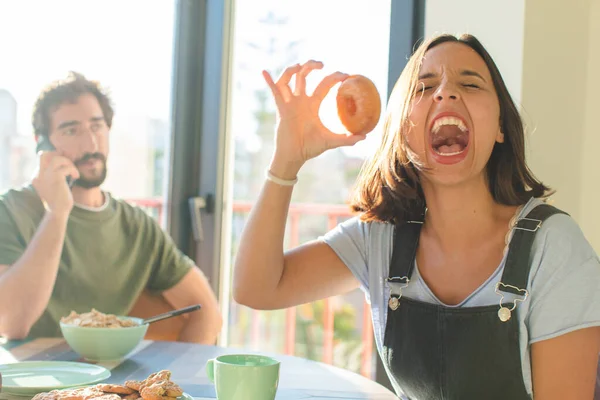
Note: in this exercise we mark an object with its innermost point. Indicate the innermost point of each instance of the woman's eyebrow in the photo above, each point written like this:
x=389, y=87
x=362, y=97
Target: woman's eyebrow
x=465, y=72
x=468, y=72
x=428, y=75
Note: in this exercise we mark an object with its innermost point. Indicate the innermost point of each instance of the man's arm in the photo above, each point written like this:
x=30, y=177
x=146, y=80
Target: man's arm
x=26, y=286
x=201, y=326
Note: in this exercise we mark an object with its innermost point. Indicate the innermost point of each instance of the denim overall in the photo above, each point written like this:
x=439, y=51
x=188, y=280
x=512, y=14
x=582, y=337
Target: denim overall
x=433, y=352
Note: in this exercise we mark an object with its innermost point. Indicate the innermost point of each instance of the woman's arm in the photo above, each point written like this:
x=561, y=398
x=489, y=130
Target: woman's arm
x=265, y=277
x=565, y=367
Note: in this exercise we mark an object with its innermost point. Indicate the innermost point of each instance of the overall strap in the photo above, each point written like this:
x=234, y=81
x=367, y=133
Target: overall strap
x=516, y=270
x=406, y=241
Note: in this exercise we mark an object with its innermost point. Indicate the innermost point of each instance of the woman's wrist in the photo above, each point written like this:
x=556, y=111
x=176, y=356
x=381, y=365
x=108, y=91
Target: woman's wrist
x=284, y=170
x=281, y=182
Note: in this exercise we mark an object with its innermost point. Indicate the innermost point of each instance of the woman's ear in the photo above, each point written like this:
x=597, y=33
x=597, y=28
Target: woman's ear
x=500, y=137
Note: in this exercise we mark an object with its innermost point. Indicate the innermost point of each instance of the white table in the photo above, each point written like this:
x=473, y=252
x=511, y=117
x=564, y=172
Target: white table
x=299, y=378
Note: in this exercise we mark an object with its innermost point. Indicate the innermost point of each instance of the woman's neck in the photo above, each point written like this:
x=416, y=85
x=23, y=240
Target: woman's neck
x=462, y=215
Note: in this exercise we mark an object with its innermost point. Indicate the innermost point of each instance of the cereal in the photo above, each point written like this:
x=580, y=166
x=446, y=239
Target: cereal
x=97, y=319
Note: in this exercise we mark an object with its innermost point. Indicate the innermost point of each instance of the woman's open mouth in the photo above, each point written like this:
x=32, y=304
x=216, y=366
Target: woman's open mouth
x=449, y=139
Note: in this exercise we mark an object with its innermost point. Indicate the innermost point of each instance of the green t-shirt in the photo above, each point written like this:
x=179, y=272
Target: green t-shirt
x=110, y=256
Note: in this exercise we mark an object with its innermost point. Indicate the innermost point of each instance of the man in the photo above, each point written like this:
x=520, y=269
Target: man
x=76, y=248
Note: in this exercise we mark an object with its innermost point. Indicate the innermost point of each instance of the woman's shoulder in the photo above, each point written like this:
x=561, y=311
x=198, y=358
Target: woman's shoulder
x=355, y=226
x=564, y=280
x=560, y=246
x=363, y=236
x=560, y=233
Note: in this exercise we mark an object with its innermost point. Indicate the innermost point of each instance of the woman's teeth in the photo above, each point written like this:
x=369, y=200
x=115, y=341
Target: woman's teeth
x=448, y=121
x=452, y=140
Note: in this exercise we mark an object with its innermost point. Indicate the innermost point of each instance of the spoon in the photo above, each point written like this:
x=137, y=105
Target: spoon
x=170, y=314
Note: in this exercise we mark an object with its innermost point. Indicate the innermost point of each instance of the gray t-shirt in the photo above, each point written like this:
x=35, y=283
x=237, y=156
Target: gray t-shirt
x=564, y=282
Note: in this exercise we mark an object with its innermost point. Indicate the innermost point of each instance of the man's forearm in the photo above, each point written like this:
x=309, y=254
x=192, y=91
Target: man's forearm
x=202, y=329
x=26, y=287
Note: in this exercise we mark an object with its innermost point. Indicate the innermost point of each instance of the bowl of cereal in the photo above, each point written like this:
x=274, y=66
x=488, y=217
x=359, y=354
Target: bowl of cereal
x=102, y=337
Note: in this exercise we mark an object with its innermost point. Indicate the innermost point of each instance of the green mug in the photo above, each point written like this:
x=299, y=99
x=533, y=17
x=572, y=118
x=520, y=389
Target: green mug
x=244, y=376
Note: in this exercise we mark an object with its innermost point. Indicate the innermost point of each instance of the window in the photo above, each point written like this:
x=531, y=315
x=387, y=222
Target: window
x=272, y=35
x=106, y=41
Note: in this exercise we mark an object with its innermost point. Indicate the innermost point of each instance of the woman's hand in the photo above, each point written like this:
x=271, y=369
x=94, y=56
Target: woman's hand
x=300, y=133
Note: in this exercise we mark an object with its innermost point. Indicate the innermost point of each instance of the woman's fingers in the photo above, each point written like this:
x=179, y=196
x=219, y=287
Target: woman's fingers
x=338, y=140
x=326, y=84
x=306, y=69
x=284, y=80
x=282, y=92
x=277, y=95
x=281, y=89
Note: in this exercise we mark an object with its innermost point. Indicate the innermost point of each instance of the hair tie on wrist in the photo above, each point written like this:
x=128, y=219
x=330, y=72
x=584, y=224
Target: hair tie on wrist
x=279, y=181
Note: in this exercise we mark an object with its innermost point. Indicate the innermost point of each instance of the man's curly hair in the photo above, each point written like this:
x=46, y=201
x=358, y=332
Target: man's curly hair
x=63, y=91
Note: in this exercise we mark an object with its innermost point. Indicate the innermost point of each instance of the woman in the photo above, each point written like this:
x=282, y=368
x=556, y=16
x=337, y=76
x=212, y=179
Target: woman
x=478, y=289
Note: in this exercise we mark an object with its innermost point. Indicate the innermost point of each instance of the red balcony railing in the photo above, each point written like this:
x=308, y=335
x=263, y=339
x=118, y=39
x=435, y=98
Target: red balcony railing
x=334, y=213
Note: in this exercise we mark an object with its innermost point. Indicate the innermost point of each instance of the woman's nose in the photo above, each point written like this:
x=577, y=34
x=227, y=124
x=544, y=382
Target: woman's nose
x=446, y=91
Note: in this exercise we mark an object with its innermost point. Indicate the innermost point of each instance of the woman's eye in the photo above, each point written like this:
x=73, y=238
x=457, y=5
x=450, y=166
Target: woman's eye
x=471, y=85
x=422, y=89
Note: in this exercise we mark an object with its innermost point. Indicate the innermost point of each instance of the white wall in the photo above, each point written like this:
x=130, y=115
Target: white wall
x=555, y=84
x=590, y=168
x=497, y=24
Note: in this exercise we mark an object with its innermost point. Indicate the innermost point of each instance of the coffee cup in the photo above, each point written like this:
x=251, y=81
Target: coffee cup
x=244, y=376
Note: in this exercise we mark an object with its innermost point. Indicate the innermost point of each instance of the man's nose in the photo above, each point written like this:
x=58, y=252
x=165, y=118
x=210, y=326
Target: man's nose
x=89, y=142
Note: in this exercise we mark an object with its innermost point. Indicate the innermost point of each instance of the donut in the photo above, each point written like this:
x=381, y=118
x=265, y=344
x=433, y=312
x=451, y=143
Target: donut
x=358, y=104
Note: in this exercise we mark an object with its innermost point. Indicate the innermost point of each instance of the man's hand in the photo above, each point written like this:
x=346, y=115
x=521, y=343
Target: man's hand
x=50, y=182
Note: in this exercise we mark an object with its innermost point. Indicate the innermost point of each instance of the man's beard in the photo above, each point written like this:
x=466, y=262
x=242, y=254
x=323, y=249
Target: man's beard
x=94, y=181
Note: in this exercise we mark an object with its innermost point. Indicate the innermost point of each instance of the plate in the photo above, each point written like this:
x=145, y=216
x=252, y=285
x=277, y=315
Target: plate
x=29, y=378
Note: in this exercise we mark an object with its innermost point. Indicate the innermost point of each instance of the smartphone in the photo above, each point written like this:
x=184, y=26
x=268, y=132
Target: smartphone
x=44, y=144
